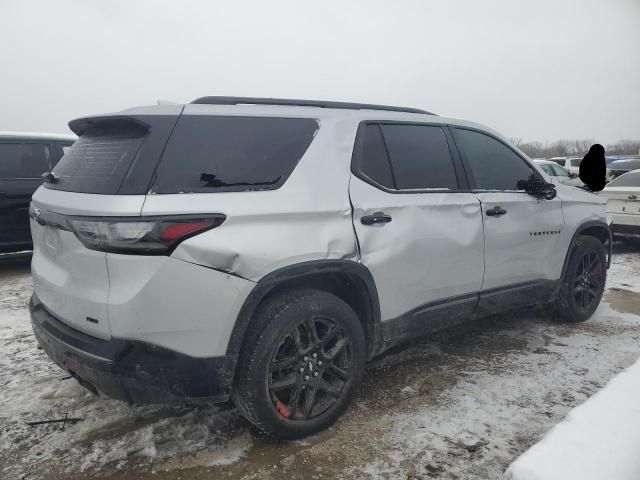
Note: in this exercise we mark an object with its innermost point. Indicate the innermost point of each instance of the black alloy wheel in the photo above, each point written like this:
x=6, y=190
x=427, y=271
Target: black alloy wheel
x=310, y=368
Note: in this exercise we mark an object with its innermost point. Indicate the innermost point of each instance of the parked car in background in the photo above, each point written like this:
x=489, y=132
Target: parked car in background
x=619, y=167
x=559, y=160
x=623, y=204
x=24, y=157
x=571, y=164
x=558, y=174
x=307, y=237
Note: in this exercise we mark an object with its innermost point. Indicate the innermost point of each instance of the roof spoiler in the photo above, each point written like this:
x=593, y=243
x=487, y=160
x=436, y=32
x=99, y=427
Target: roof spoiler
x=80, y=125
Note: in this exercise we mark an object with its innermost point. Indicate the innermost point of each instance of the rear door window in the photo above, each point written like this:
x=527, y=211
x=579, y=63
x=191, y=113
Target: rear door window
x=420, y=157
x=99, y=160
x=406, y=157
x=374, y=161
x=494, y=165
x=220, y=153
x=24, y=160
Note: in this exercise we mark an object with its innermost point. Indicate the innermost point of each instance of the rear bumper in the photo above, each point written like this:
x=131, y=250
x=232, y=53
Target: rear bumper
x=130, y=370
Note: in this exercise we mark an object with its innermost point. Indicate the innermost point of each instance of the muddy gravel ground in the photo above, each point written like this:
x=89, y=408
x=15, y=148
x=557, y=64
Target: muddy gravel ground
x=461, y=404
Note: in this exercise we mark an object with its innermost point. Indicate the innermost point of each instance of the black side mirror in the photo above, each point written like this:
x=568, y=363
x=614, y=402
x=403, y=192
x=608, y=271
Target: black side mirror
x=538, y=188
x=573, y=175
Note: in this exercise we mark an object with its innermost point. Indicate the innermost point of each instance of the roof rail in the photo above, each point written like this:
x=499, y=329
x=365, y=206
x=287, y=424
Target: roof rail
x=216, y=100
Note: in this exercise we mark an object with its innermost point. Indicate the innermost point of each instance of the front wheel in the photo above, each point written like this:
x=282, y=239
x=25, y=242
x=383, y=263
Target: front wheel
x=302, y=361
x=584, y=280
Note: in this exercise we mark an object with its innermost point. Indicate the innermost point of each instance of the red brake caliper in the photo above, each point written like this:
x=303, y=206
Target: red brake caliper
x=282, y=409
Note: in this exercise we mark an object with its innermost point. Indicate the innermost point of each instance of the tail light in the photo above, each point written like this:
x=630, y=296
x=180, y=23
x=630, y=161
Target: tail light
x=140, y=235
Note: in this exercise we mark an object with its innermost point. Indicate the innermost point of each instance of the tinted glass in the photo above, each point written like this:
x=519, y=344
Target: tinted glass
x=23, y=160
x=631, y=179
x=560, y=172
x=374, y=162
x=493, y=165
x=99, y=160
x=420, y=157
x=576, y=162
x=215, y=153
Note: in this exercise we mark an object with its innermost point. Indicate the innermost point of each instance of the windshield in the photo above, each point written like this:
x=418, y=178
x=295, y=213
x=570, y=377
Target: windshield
x=560, y=172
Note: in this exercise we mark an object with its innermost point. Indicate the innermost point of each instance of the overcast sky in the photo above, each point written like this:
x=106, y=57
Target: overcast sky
x=538, y=70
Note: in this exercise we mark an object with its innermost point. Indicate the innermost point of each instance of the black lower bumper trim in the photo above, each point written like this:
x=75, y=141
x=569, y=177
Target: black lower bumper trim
x=625, y=230
x=131, y=370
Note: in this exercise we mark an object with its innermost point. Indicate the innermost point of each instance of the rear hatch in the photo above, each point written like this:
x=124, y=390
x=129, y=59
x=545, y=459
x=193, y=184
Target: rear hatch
x=89, y=213
x=623, y=194
x=106, y=173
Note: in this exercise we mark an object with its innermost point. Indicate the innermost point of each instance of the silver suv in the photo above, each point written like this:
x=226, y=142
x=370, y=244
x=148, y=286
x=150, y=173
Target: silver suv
x=262, y=250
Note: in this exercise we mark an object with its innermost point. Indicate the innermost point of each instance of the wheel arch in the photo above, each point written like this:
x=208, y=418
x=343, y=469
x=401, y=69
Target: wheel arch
x=348, y=280
x=594, y=228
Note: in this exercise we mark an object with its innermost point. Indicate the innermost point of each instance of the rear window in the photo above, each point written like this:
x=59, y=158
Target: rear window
x=631, y=179
x=23, y=160
x=99, y=160
x=217, y=153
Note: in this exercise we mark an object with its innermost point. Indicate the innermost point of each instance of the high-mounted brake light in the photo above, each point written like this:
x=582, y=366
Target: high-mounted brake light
x=141, y=235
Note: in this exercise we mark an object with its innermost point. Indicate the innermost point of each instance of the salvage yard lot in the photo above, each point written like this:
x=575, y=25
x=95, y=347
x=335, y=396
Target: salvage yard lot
x=461, y=404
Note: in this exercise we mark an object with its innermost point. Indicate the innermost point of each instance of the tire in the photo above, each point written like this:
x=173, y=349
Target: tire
x=584, y=280
x=276, y=389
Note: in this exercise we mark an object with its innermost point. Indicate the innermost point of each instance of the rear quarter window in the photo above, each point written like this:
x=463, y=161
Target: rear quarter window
x=220, y=153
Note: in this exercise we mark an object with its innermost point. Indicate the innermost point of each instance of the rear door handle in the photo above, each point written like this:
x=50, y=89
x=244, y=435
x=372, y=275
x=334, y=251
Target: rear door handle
x=377, y=217
x=496, y=211
x=630, y=197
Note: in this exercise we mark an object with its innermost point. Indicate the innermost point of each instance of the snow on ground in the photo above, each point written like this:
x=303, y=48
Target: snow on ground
x=625, y=272
x=461, y=404
x=599, y=439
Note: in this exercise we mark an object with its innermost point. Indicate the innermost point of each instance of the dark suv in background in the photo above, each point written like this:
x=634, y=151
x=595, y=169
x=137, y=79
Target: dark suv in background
x=24, y=157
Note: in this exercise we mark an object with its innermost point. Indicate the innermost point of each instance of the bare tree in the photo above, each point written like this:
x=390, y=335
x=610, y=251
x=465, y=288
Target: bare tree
x=574, y=147
x=624, y=147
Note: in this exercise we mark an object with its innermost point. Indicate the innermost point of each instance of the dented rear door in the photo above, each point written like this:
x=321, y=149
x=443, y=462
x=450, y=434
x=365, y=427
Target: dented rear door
x=423, y=246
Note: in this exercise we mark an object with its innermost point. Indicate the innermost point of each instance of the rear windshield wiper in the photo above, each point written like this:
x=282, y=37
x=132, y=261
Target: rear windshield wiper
x=49, y=177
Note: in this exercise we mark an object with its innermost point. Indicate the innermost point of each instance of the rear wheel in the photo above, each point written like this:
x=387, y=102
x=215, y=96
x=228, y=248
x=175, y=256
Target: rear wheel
x=584, y=280
x=303, y=359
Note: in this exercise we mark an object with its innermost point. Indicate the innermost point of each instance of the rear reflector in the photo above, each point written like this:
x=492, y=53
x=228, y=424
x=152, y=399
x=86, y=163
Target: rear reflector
x=176, y=231
x=141, y=235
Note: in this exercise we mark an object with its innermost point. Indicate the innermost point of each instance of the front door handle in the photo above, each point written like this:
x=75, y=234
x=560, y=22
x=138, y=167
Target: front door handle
x=632, y=197
x=496, y=211
x=377, y=217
